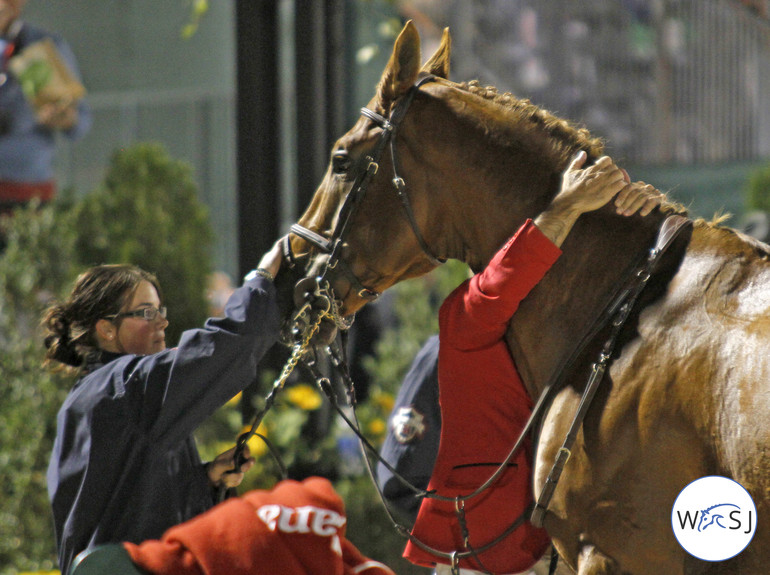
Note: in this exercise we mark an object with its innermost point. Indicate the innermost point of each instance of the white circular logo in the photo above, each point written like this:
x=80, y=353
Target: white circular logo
x=714, y=518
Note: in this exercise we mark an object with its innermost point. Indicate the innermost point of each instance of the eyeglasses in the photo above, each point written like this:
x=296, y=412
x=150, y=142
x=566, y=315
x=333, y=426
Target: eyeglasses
x=146, y=313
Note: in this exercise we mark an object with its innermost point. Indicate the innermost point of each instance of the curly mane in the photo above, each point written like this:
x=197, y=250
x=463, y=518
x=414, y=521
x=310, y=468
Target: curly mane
x=565, y=134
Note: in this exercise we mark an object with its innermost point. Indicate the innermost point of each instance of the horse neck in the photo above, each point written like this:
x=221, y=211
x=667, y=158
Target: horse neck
x=481, y=187
x=487, y=206
x=493, y=183
x=600, y=254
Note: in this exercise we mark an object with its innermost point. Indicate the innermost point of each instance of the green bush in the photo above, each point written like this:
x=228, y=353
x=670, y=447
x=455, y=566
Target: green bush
x=758, y=190
x=36, y=264
x=147, y=213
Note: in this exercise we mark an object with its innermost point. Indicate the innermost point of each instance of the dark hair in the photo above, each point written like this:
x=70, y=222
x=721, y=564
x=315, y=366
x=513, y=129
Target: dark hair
x=99, y=292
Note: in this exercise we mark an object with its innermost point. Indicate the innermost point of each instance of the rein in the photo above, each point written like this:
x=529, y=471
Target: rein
x=320, y=304
x=618, y=310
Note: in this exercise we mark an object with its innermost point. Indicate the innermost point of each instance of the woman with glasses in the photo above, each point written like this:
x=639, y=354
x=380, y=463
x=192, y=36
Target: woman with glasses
x=124, y=465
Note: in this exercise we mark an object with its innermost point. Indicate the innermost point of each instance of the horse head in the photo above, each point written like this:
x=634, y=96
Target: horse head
x=395, y=200
x=354, y=236
x=434, y=170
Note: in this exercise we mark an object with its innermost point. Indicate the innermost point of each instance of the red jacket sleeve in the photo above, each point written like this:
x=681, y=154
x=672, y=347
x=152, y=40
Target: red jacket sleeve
x=477, y=312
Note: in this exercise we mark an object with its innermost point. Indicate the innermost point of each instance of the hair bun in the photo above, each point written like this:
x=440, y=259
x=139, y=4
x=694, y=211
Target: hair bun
x=67, y=354
x=59, y=348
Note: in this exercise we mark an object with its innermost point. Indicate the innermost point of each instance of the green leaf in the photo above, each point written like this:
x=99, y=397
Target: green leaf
x=35, y=77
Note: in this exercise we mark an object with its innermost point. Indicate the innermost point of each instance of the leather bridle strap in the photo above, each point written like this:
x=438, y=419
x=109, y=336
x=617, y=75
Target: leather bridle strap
x=322, y=243
x=621, y=309
x=333, y=245
x=400, y=185
x=398, y=181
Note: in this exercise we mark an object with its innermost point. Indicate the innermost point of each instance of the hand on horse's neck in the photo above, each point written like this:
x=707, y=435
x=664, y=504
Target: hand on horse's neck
x=556, y=225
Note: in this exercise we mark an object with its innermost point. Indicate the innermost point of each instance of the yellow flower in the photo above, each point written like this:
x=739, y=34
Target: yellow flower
x=385, y=401
x=377, y=427
x=257, y=447
x=304, y=396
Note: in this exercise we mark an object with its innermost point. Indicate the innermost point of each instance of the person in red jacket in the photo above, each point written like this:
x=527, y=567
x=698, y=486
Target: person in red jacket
x=484, y=405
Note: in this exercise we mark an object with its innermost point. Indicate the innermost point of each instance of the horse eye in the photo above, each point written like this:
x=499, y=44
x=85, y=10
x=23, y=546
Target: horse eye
x=341, y=162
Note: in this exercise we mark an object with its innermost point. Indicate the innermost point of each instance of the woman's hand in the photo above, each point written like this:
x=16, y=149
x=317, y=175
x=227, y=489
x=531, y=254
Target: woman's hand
x=585, y=190
x=588, y=189
x=638, y=197
x=218, y=469
x=271, y=260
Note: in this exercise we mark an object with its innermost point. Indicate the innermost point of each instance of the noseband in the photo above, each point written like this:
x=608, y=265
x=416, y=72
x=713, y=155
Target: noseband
x=333, y=246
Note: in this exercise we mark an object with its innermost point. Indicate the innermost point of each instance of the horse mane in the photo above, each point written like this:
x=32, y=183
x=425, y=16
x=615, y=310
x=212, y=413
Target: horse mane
x=724, y=234
x=565, y=137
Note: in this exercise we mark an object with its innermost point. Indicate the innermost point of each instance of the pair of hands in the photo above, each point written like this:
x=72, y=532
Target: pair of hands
x=217, y=470
x=586, y=190
x=58, y=115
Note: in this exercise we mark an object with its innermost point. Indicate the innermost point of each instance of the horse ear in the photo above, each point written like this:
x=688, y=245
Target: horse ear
x=438, y=65
x=402, y=69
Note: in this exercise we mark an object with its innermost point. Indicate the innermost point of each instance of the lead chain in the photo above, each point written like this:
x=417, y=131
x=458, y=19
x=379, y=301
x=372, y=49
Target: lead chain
x=297, y=352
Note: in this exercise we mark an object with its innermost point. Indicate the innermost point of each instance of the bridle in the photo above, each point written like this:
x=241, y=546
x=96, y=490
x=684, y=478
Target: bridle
x=320, y=302
x=333, y=245
x=323, y=293
x=615, y=314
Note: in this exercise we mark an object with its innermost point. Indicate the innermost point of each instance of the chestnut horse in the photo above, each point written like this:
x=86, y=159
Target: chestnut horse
x=687, y=393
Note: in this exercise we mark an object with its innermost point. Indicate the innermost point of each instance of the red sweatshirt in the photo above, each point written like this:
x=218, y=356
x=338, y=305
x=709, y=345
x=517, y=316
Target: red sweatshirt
x=484, y=407
x=293, y=529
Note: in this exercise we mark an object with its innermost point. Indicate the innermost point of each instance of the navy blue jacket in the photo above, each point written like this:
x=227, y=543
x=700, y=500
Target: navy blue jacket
x=124, y=465
x=414, y=430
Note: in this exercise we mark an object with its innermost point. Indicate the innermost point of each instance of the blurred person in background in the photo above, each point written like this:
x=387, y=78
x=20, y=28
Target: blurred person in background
x=40, y=94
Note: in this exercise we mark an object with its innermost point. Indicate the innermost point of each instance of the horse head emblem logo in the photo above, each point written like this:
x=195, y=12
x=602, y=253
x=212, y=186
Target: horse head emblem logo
x=710, y=517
